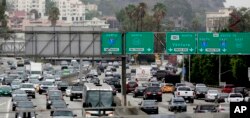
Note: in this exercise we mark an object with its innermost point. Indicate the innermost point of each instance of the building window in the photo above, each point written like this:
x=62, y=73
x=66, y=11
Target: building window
x=80, y=18
x=72, y=18
x=76, y=18
x=64, y=18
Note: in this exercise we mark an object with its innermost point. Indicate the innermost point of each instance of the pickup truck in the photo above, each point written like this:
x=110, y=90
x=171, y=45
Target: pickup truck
x=185, y=92
x=234, y=97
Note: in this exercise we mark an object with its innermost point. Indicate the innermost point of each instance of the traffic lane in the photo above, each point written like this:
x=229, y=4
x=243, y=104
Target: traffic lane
x=76, y=105
x=40, y=102
x=5, y=106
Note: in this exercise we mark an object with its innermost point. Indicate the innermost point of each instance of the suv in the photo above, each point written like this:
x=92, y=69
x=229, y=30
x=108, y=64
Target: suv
x=52, y=98
x=44, y=86
x=131, y=85
x=76, y=92
x=153, y=93
x=29, y=89
x=242, y=90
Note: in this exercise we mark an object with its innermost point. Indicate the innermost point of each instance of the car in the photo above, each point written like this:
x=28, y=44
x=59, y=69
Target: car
x=58, y=104
x=50, y=78
x=154, y=84
x=108, y=73
x=130, y=86
x=234, y=97
x=44, y=86
x=133, y=72
x=101, y=68
x=68, y=91
x=51, y=98
x=221, y=97
x=116, y=83
x=114, y=91
x=179, y=84
x=76, y=92
x=242, y=90
x=17, y=99
x=106, y=79
x=94, y=72
x=29, y=89
x=200, y=85
x=116, y=75
x=138, y=91
x=94, y=80
x=185, y=92
x=15, y=85
x=110, y=63
x=8, y=79
x=5, y=90
x=62, y=85
x=24, y=105
x=149, y=106
x=227, y=88
x=63, y=113
x=224, y=108
x=104, y=64
x=160, y=74
x=211, y=95
x=35, y=82
x=19, y=92
x=152, y=93
x=208, y=108
x=200, y=92
x=54, y=93
x=177, y=104
x=116, y=64
x=145, y=84
x=20, y=114
x=167, y=88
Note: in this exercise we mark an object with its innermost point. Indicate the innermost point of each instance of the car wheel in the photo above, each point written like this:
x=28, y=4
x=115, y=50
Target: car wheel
x=71, y=98
x=160, y=100
x=134, y=96
x=40, y=92
x=47, y=107
x=191, y=101
x=13, y=108
x=33, y=96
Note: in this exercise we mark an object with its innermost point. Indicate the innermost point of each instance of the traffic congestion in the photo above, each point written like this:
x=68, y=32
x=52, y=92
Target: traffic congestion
x=36, y=90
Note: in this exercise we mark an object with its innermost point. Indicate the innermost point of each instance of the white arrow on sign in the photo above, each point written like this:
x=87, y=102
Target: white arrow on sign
x=201, y=50
x=149, y=49
x=170, y=49
x=224, y=50
x=191, y=49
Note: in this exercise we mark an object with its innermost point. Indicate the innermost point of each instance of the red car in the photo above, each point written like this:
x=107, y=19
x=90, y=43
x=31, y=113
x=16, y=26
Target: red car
x=227, y=88
x=131, y=85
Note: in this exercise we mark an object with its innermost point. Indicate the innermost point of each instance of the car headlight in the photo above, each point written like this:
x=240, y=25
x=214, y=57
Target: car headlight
x=14, y=102
x=49, y=102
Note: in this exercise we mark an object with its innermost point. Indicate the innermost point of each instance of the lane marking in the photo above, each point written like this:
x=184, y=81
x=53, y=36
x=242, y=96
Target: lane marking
x=8, y=108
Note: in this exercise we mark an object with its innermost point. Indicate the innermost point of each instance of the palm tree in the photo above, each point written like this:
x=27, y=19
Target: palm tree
x=160, y=11
x=54, y=15
x=142, y=7
x=130, y=12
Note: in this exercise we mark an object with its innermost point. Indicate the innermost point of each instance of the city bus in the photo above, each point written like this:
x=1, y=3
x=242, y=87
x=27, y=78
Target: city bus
x=95, y=97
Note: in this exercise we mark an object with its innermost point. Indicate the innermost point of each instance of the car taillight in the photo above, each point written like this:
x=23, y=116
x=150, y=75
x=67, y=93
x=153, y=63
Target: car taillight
x=148, y=93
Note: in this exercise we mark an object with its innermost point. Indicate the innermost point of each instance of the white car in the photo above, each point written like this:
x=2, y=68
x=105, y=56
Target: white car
x=224, y=108
x=29, y=89
x=200, y=85
x=211, y=95
x=235, y=97
x=68, y=91
x=50, y=79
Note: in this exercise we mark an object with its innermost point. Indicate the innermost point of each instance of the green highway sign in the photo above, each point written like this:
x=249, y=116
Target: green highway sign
x=111, y=43
x=180, y=43
x=139, y=43
x=223, y=43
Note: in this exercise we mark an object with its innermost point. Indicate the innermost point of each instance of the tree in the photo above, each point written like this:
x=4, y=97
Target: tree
x=48, y=5
x=3, y=21
x=92, y=14
x=54, y=15
x=142, y=7
x=160, y=12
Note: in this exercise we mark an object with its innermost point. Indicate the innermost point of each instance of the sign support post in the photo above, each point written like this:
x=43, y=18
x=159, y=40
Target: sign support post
x=124, y=95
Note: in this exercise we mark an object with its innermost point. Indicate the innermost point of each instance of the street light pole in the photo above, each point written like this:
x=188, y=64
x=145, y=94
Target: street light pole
x=219, y=69
x=189, y=68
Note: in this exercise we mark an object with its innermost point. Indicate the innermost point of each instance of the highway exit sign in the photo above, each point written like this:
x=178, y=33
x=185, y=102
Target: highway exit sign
x=111, y=43
x=139, y=43
x=223, y=43
x=181, y=43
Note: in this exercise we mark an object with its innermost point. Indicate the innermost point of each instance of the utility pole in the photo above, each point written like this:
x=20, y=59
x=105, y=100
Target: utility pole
x=219, y=69
x=189, y=68
x=124, y=95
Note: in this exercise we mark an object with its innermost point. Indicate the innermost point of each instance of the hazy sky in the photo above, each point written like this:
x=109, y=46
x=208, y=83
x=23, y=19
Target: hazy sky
x=237, y=3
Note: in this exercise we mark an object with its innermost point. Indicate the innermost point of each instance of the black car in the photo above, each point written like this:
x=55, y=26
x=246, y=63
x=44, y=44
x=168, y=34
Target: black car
x=76, y=92
x=116, y=83
x=117, y=75
x=94, y=80
x=153, y=93
x=58, y=104
x=50, y=99
x=62, y=86
x=242, y=90
x=200, y=92
x=177, y=104
x=205, y=109
x=149, y=106
x=101, y=68
x=17, y=99
x=160, y=74
x=138, y=91
x=221, y=97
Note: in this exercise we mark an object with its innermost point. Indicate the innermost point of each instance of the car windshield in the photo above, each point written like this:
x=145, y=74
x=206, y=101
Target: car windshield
x=35, y=72
x=149, y=103
x=5, y=88
x=25, y=105
x=202, y=88
x=59, y=104
x=47, y=83
x=20, y=98
x=178, y=101
x=27, y=86
x=15, y=83
x=18, y=92
x=213, y=91
x=184, y=89
x=55, y=97
x=100, y=98
x=235, y=95
x=63, y=84
x=153, y=89
x=77, y=88
x=34, y=81
x=55, y=93
x=63, y=113
x=207, y=107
